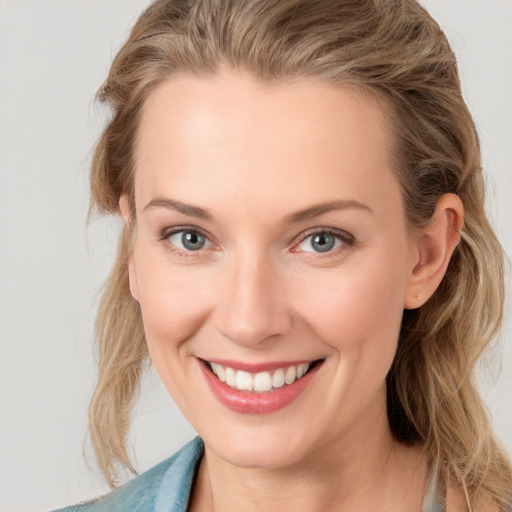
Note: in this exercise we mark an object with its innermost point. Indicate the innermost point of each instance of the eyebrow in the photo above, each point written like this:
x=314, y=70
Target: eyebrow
x=186, y=209
x=321, y=208
x=293, y=218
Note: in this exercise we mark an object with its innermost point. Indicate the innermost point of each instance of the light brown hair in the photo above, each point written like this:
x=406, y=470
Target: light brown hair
x=396, y=50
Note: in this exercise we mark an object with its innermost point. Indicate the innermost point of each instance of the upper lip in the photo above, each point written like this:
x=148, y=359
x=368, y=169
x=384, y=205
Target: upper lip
x=258, y=367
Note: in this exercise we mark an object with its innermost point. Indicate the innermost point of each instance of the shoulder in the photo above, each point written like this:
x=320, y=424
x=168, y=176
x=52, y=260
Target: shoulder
x=141, y=493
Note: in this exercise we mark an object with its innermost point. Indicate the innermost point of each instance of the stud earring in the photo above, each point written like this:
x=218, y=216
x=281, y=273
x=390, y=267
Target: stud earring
x=418, y=296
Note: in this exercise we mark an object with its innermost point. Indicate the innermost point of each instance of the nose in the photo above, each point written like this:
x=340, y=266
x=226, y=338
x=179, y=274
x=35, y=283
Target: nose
x=251, y=307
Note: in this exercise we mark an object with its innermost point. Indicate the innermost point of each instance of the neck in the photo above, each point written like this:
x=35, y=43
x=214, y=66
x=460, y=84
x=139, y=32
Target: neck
x=363, y=469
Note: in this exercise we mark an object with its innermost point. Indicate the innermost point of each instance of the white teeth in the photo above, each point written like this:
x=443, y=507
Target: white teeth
x=244, y=381
x=278, y=378
x=260, y=382
x=230, y=377
x=291, y=375
x=220, y=371
x=302, y=369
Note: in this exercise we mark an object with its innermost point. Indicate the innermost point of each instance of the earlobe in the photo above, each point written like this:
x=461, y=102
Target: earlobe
x=434, y=246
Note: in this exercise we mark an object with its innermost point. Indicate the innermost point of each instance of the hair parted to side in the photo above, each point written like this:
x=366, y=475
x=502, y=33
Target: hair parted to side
x=395, y=49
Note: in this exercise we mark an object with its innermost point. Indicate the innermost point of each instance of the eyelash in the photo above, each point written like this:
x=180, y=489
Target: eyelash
x=347, y=240
x=167, y=233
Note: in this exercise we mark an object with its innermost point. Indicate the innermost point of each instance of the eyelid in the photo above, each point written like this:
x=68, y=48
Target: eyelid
x=168, y=232
x=347, y=239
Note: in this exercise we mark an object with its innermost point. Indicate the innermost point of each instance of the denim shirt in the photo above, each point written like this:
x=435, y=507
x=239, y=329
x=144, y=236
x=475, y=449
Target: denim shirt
x=166, y=488
x=163, y=488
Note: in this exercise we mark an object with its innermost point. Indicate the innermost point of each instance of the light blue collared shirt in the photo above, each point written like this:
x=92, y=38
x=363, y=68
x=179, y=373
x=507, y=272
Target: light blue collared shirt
x=163, y=488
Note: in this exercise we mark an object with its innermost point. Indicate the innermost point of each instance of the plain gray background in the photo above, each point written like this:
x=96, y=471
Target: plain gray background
x=54, y=55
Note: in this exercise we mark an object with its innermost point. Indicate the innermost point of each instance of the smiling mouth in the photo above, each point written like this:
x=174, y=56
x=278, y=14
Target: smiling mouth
x=261, y=382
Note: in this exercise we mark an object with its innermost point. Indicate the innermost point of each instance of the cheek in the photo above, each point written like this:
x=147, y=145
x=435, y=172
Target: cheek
x=174, y=300
x=356, y=311
x=357, y=306
x=174, y=303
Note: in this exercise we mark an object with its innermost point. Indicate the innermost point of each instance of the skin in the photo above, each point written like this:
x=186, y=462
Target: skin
x=252, y=156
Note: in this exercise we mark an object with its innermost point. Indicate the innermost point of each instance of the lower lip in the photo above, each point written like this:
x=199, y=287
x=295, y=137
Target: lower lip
x=256, y=403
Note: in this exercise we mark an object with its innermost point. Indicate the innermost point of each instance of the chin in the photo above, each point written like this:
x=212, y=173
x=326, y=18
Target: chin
x=260, y=447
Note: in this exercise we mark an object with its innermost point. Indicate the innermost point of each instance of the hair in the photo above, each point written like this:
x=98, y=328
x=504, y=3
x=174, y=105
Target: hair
x=396, y=50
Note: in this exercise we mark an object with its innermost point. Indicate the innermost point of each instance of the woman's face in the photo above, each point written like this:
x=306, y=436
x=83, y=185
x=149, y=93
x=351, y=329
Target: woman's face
x=270, y=240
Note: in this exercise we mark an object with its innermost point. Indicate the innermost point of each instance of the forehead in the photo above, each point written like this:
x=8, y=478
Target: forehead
x=204, y=135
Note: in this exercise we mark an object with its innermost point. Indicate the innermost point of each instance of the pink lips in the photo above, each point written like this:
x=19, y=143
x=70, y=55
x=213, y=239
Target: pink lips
x=255, y=403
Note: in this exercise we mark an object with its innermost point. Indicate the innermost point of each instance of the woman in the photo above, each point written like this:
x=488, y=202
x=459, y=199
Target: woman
x=306, y=261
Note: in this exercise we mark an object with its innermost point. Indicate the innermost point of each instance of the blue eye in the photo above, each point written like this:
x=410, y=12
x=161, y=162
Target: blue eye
x=189, y=240
x=321, y=242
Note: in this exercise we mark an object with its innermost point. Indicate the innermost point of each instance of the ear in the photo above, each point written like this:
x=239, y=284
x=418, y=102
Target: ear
x=433, y=247
x=124, y=208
